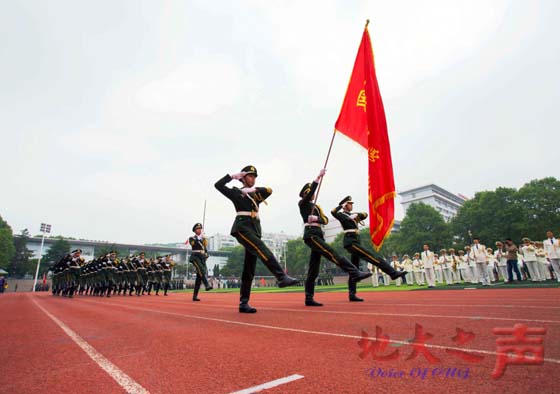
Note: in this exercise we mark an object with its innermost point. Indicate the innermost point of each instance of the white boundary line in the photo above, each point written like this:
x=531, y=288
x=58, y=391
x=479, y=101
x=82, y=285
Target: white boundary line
x=476, y=318
x=125, y=381
x=301, y=331
x=269, y=385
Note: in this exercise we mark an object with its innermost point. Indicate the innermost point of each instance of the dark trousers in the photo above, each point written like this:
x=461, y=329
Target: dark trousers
x=512, y=266
x=201, y=272
x=319, y=248
x=255, y=248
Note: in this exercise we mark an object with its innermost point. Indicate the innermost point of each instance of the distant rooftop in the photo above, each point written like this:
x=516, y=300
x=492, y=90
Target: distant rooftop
x=459, y=198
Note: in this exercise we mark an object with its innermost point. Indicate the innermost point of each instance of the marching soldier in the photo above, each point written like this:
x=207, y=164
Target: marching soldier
x=150, y=270
x=158, y=275
x=74, y=263
x=167, y=265
x=349, y=221
x=198, y=258
x=313, y=219
x=247, y=230
x=132, y=274
x=141, y=274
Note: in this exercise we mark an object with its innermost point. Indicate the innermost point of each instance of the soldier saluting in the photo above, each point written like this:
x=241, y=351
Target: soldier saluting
x=351, y=242
x=313, y=219
x=247, y=230
x=198, y=258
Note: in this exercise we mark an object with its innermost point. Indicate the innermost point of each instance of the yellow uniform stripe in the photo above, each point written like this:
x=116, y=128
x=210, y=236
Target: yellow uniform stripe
x=366, y=253
x=254, y=247
x=197, y=268
x=325, y=250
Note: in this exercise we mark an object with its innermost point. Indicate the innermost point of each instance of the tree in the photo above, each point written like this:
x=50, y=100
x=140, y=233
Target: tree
x=57, y=251
x=21, y=264
x=7, y=249
x=422, y=224
x=490, y=215
x=538, y=203
x=510, y=213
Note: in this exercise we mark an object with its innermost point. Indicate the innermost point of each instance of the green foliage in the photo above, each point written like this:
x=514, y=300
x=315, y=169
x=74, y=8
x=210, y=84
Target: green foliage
x=490, y=215
x=7, y=249
x=57, y=251
x=297, y=257
x=21, y=264
x=539, y=205
x=510, y=213
x=422, y=224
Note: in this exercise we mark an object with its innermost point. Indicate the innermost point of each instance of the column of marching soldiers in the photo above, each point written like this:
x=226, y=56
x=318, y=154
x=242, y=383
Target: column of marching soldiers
x=108, y=275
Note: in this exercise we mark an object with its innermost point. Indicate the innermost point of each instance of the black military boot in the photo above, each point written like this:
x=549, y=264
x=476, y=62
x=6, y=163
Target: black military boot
x=360, y=276
x=355, y=298
x=312, y=302
x=398, y=274
x=244, y=307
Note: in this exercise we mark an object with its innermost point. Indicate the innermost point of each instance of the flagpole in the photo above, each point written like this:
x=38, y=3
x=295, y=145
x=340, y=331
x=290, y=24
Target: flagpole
x=325, y=166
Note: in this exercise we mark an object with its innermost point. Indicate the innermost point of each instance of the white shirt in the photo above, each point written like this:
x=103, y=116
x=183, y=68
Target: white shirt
x=427, y=259
x=479, y=252
x=529, y=253
x=416, y=265
x=500, y=258
x=445, y=261
x=463, y=262
x=552, y=248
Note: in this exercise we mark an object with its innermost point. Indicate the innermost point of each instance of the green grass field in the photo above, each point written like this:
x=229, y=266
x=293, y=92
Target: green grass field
x=367, y=287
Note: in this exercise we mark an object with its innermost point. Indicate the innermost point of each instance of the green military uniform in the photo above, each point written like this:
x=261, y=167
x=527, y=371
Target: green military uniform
x=141, y=274
x=314, y=239
x=247, y=230
x=199, y=246
x=351, y=243
x=167, y=265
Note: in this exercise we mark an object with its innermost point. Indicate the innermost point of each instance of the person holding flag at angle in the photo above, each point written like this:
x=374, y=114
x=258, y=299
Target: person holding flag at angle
x=351, y=242
x=247, y=230
x=313, y=219
x=198, y=258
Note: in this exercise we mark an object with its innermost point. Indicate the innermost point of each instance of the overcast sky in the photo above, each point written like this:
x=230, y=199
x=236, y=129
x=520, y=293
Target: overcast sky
x=117, y=117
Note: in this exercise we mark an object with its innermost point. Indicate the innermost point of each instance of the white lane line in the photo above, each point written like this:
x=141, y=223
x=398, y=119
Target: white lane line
x=269, y=385
x=302, y=331
x=225, y=306
x=427, y=303
x=125, y=381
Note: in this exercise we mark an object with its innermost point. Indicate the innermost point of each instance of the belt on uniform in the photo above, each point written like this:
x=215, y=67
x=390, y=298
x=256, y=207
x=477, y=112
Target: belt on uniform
x=198, y=251
x=351, y=231
x=312, y=225
x=252, y=214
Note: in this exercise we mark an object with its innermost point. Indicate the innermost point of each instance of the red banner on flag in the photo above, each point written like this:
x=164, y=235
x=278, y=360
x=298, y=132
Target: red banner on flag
x=362, y=118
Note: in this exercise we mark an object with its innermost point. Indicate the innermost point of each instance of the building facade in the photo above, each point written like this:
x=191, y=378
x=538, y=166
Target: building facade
x=445, y=202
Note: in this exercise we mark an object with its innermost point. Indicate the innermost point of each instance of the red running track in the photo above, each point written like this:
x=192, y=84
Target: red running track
x=172, y=345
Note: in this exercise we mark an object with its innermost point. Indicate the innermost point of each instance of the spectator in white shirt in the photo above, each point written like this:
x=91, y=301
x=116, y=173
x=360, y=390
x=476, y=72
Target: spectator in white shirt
x=529, y=253
x=481, y=259
x=501, y=261
x=552, y=251
x=428, y=259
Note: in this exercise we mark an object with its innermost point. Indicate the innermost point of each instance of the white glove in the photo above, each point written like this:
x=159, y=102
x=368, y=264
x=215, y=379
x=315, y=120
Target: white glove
x=354, y=216
x=238, y=176
x=312, y=219
x=321, y=174
x=247, y=190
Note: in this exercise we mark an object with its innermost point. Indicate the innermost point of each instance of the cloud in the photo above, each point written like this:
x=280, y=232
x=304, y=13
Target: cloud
x=202, y=87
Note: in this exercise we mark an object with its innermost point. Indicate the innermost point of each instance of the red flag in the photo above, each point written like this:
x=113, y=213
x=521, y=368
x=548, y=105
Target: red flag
x=362, y=118
x=44, y=278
